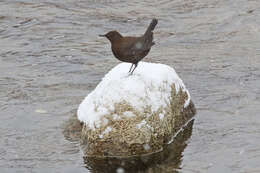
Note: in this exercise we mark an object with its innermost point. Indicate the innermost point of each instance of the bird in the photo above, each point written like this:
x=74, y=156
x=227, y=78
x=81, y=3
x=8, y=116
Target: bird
x=131, y=49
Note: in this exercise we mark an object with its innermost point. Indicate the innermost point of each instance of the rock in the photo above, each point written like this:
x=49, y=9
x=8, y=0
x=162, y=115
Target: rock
x=135, y=114
x=167, y=160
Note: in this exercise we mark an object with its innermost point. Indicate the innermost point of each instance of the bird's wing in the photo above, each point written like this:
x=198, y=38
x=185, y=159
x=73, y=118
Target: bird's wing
x=136, y=46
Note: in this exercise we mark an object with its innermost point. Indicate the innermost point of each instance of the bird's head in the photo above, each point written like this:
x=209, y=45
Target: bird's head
x=112, y=36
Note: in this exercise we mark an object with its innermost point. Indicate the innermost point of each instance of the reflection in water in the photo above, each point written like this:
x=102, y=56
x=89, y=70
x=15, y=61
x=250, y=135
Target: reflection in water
x=167, y=160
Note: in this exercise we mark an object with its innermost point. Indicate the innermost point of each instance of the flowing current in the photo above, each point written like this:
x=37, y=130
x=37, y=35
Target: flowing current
x=51, y=57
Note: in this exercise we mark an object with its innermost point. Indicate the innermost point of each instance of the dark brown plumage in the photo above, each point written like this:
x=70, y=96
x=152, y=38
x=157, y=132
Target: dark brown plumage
x=131, y=49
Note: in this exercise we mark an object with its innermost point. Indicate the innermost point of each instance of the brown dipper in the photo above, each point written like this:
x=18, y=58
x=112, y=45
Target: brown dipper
x=131, y=49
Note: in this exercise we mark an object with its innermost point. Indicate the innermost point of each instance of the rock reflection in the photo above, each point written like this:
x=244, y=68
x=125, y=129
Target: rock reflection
x=164, y=161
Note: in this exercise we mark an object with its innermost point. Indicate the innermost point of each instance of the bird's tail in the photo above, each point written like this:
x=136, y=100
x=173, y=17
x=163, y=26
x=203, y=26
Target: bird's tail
x=151, y=26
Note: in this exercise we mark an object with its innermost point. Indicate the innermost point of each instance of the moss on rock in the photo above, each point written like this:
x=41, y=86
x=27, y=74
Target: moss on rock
x=141, y=133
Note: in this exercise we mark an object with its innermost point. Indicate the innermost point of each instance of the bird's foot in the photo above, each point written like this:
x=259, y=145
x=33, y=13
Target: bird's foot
x=129, y=73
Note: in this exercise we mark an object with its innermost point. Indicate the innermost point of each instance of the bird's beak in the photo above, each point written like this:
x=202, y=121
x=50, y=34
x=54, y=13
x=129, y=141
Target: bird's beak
x=102, y=35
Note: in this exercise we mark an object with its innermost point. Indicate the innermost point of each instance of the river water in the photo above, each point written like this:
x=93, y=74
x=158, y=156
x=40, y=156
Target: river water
x=51, y=57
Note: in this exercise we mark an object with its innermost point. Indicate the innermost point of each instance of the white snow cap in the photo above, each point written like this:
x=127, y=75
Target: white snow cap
x=150, y=85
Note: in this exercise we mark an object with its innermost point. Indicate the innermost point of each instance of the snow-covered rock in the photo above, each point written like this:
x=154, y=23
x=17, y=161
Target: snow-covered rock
x=134, y=114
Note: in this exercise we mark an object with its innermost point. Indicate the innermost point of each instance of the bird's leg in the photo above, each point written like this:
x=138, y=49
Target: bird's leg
x=131, y=68
x=134, y=68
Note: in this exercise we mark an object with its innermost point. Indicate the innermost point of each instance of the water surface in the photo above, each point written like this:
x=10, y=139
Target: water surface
x=51, y=57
